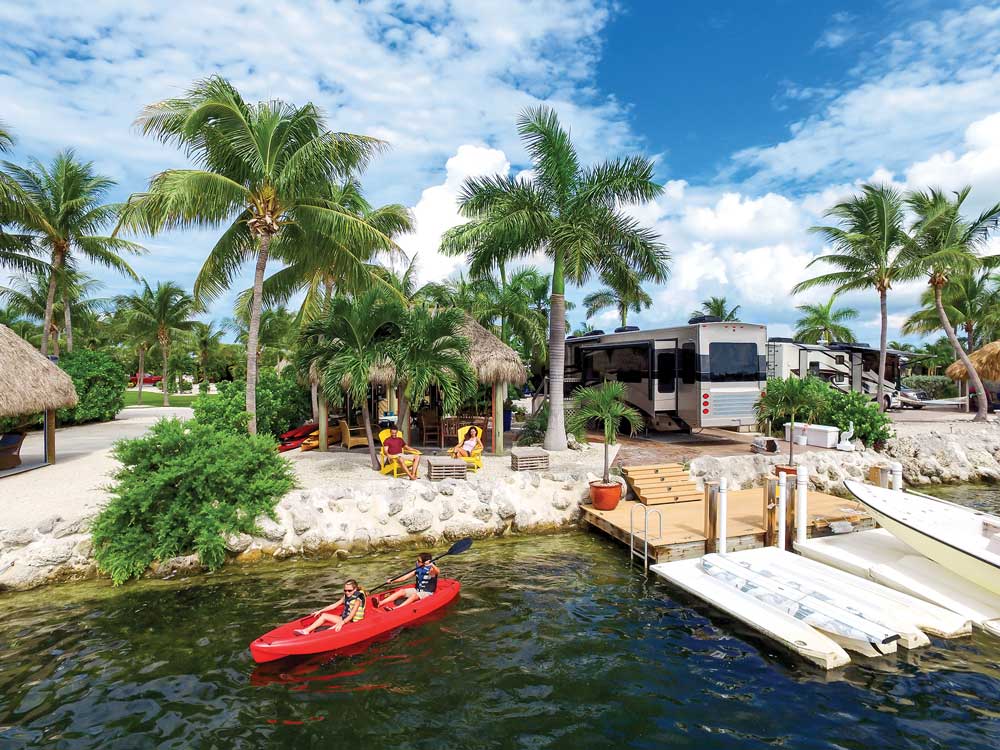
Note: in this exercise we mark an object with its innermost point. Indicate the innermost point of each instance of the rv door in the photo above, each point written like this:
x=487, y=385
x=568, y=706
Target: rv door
x=665, y=376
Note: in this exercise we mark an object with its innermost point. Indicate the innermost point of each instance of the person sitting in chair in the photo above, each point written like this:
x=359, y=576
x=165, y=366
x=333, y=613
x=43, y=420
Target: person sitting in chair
x=471, y=443
x=396, y=450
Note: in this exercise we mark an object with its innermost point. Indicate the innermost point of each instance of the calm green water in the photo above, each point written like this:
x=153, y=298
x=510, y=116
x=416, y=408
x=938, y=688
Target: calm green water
x=554, y=643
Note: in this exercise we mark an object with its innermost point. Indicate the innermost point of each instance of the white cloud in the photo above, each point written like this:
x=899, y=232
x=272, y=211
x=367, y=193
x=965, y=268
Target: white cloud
x=838, y=33
x=437, y=209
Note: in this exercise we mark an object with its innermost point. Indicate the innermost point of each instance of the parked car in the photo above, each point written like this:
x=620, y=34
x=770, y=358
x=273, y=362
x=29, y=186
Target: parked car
x=147, y=379
x=912, y=394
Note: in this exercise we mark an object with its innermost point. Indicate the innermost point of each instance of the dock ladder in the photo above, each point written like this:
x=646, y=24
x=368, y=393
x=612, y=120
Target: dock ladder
x=643, y=551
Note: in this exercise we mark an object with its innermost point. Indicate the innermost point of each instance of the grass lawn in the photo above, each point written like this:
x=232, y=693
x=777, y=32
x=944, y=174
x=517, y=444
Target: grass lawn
x=155, y=398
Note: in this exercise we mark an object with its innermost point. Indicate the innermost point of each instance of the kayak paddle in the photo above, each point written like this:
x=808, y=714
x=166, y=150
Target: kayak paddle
x=462, y=545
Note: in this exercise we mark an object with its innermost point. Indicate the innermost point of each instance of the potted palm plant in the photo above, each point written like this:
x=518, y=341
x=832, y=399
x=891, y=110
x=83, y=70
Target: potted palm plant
x=790, y=398
x=605, y=405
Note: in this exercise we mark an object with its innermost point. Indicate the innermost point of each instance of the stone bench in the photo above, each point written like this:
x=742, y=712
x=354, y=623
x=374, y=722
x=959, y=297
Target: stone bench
x=529, y=459
x=440, y=467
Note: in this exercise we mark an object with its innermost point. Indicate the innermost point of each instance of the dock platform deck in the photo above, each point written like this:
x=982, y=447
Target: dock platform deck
x=681, y=535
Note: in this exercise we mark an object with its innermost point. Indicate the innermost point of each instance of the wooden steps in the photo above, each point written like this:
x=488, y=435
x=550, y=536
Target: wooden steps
x=661, y=484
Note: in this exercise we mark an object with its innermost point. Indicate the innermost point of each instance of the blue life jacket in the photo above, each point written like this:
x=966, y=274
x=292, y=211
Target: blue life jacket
x=426, y=581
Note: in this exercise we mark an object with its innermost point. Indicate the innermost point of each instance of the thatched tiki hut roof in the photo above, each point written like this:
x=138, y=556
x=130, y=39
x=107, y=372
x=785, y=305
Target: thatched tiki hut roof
x=493, y=361
x=29, y=382
x=986, y=361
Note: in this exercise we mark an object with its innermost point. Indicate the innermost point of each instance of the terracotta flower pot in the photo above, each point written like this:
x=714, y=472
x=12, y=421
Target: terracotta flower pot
x=605, y=496
x=789, y=470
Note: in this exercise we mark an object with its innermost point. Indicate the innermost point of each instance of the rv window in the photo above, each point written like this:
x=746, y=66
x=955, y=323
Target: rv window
x=689, y=363
x=631, y=364
x=666, y=371
x=730, y=362
x=839, y=359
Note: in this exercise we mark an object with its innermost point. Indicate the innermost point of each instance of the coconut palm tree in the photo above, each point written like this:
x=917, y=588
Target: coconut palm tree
x=623, y=292
x=821, y=322
x=717, y=307
x=157, y=314
x=206, y=339
x=19, y=324
x=971, y=302
x=28, y=294
x=867, y=251
x=263, y=172
x=349, y=343
x=569, y=212
x=946, y=244
x=431, y=351
x=335, y=264
x=791, y=397
x=64, y=216
x=6, y=139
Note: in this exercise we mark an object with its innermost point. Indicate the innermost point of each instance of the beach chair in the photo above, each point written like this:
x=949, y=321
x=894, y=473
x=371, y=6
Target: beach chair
x=10, y=449
x=393, y=468
x=475, y=461
x=430, y=427
x=348, y=437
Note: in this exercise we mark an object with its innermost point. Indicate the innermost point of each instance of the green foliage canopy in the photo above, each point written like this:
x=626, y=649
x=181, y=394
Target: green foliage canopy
x=282, y=403
x=100, y=383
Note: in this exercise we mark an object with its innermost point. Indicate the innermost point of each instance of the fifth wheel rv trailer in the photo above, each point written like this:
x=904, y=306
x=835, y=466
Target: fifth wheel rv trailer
x=704, y=374
x=847, y=367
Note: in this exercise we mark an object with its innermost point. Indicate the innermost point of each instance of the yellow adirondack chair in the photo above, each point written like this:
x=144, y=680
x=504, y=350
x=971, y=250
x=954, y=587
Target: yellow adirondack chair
x=475, y=461
x=393, y=467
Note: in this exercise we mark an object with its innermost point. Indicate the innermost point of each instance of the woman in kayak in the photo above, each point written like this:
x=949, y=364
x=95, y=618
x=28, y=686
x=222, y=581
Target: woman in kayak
x=426, y=575
x=353, y=610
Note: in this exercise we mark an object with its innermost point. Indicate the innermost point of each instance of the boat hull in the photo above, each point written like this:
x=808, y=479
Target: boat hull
x=951, y=553
x=282, y=641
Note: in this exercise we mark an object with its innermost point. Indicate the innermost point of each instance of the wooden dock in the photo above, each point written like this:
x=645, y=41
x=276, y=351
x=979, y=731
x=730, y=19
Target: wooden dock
x=681, y=535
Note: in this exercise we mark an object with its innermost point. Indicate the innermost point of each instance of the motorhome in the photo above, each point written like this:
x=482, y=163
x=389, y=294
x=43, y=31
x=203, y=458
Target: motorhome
x=847, y=367
x=708, y=373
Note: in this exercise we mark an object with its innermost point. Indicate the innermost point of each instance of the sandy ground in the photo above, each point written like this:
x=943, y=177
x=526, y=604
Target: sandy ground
x=73, y=486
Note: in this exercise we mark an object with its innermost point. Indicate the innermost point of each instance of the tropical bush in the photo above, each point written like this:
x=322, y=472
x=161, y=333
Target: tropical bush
x=794, y=400
x=282, y=403
x=533, y=432
x=100, y=383
x=182, y=488
x=871, y=426
x=604, y=405
x=936, y=386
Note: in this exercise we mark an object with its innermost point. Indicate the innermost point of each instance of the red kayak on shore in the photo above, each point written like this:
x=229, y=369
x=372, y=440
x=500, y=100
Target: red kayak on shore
x=282, y=641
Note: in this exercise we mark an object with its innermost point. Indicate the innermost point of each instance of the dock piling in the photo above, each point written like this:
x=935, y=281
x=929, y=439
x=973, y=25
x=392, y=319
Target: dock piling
x=782, y=503
x=801, y=504
x=897, y=475
x=711, y=527
x=723, y=513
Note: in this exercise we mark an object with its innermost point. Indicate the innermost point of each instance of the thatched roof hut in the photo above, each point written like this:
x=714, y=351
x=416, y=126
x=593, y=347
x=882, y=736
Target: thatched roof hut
x=986, y=361
x=493, y=361
x=29, y=382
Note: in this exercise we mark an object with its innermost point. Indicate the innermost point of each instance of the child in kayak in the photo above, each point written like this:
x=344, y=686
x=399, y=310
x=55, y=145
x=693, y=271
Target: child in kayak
x=353, y=610
x=426, y=575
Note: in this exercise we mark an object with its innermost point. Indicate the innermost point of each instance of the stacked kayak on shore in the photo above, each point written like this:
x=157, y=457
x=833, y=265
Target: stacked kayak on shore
x=283, y=641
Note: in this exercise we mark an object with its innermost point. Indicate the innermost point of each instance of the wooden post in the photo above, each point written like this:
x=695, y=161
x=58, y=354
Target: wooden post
x=711, y=528
x=723, y=514
x=323, y=413
x=791, y=503
x=770, y=510
x=50, y=436
x=499, y=395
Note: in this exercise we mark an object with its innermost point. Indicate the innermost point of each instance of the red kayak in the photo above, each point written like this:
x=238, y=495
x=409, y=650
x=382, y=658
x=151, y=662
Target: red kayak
x=282, y=641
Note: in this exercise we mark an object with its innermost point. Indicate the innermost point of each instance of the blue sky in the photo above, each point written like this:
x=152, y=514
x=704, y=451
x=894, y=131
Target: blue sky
x=760, y=115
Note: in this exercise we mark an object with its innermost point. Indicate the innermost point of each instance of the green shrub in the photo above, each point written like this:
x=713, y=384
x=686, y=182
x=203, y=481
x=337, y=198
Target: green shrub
x=182, y=488
x=533, y=432
x=281, y=404
x=936, y=386
x=100, y=383
x=871, y=426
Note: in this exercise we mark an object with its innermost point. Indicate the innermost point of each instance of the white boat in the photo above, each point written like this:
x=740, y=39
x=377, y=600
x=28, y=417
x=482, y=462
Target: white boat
x=783, y=629
x=960, y=539
x=848, y=628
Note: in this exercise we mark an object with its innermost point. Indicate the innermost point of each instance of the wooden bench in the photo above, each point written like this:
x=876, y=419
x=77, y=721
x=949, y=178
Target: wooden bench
x=529, y=459
x=441, y=467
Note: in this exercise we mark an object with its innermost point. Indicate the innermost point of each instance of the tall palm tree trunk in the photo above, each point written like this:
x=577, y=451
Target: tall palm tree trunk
x=884, y=314
x=623, y=310
x=68, y=318
x=555, y=434
x=970, y=335
x=50, y=302
x=366, y=417
x=165, y=348
x=142, y=369
x=254, y=331
x=982, y=402
x=403, y=414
